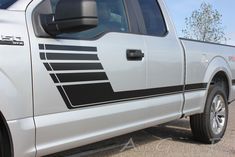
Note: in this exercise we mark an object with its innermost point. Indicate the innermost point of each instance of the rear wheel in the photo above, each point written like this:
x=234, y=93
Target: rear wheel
x=210, y=126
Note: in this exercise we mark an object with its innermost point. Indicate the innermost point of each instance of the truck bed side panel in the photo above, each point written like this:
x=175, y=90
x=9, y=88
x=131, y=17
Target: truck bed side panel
x=203, y=61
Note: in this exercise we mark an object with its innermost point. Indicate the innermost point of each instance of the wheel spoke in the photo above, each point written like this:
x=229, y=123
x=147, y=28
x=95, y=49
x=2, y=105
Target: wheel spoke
x=221, y=120
x=221, y=113
x=212, y=115
x=220, y=123
x=213, y=107
x=214, y=104
x=218, y=105
x=217, y=122
x=214, y=123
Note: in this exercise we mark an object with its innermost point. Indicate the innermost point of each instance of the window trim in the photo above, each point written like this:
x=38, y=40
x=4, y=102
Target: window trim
x=132, y=18
x=141, y=19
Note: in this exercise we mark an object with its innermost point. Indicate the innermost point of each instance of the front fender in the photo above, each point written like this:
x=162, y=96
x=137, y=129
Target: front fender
x=15, y=67
x=12, y=103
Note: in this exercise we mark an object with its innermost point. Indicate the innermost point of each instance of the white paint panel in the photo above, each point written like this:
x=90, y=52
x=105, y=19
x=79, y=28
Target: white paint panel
x=62, y=131
x=23, y=136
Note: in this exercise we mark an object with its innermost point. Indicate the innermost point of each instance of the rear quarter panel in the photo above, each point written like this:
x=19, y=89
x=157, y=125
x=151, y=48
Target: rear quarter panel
x=203, y=61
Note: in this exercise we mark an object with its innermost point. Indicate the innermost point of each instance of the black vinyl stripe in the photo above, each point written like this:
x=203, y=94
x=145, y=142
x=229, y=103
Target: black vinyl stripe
x=70, y=48
x=76, y=66
x=67, y=56
x=233, y=82
x=41, y=46
x=42, y=56
x=195, y=86
x=75, y=77
x=81, y=95
x=64, y=97
x=47, y=66
x=53, y=76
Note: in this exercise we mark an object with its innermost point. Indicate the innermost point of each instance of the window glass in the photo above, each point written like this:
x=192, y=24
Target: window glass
x=6, y=3
x=153, y=18
x=112, y=18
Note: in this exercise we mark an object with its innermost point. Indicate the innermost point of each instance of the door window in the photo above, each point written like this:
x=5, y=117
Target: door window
x=6, y=3
x=153, y=18
x=112, y=18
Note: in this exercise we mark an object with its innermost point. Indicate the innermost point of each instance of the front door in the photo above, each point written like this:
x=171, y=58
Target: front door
x=83, y=81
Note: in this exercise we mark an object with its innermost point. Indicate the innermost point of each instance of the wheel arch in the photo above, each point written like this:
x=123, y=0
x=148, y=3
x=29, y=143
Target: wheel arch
x=219, y=70
x=222, y=79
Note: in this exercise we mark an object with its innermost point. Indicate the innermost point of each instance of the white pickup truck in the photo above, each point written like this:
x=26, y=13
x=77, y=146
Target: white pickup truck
x=74, y=72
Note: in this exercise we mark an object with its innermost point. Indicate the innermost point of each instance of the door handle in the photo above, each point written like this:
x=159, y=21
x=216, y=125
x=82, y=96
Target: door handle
x=134, y=55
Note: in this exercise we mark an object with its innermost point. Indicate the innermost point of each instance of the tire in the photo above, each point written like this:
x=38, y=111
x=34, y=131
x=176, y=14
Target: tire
x=210, y=126
x=2, y=154
x=1, y=147
x=5, y=150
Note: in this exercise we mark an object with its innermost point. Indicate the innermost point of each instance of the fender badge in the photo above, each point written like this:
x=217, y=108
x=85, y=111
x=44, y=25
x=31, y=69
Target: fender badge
x=11, y=40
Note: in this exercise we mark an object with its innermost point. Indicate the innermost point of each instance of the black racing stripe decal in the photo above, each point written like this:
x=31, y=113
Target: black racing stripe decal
x=53, y=76
x=195, y=86
x=62, y=93
x=99, y=93
x=41, y=46
x=76, y=66
x=76, y=77
x=70, y=48
x=47, y=66
x=93, y=94
x=89, y=93
x=67, y=56
x=233, y=82
x=42, y=56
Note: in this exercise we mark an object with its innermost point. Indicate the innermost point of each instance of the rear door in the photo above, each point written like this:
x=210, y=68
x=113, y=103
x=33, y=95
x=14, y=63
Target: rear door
x=165, y=68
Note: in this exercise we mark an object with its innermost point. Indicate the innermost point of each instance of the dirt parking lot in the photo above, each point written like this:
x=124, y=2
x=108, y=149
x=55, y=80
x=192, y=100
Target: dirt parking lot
x=169, y=140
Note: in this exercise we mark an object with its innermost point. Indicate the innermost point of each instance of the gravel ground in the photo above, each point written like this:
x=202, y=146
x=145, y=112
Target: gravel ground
x=169, y=140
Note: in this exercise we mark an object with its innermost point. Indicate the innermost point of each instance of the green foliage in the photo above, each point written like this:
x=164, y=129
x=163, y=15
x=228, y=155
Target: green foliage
x=205, y=24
